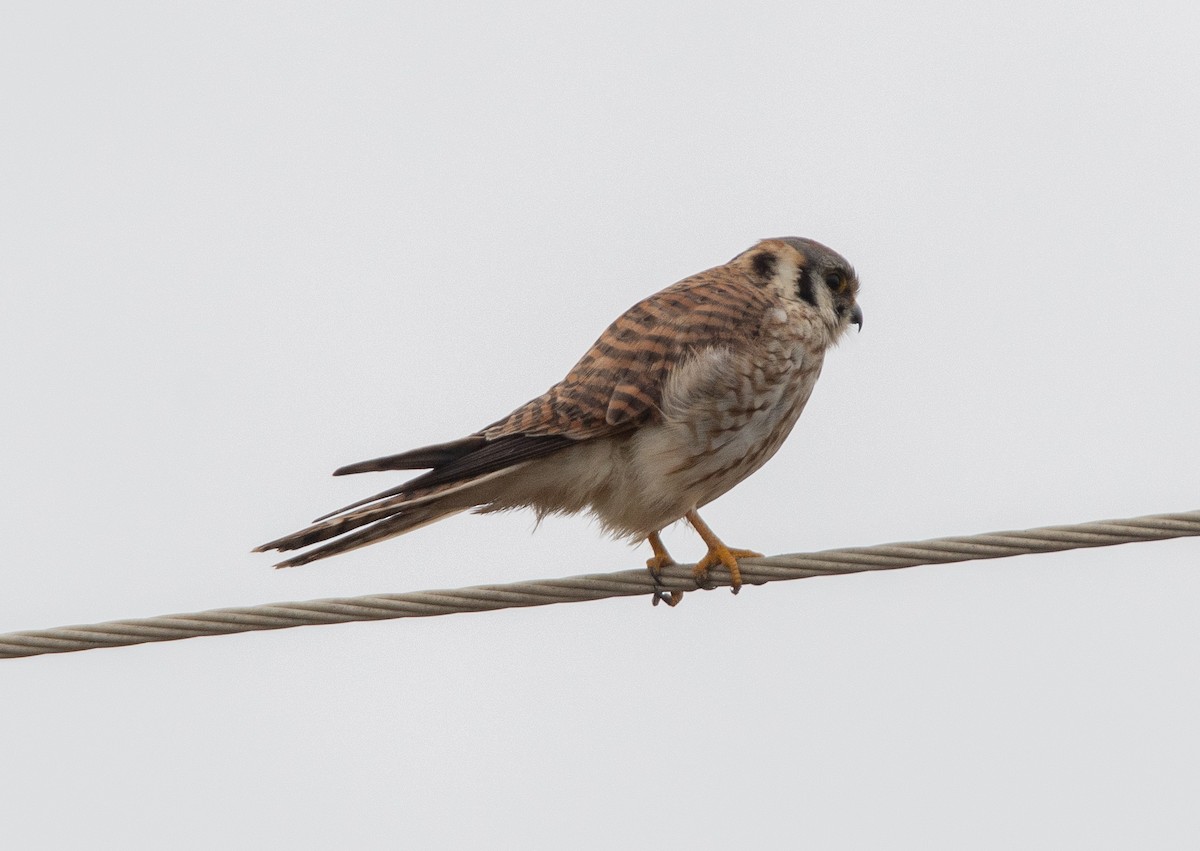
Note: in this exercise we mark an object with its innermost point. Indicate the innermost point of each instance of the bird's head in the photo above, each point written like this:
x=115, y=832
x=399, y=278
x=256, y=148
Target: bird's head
x=807, y=272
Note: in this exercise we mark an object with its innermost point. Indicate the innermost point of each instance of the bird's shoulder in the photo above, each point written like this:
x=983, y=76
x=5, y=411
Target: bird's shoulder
x=618, y=384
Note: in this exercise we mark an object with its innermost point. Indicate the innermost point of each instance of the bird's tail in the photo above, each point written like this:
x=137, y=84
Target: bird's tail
x=459, y=470
x=378, y=526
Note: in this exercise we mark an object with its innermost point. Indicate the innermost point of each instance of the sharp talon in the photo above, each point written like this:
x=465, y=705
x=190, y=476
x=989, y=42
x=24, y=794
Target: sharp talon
x=671, y=598
x=661, y=594
x=655, y=565
x=718, y=554
x=725, y=557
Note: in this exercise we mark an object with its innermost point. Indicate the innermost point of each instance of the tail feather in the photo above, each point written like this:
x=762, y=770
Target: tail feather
x=452, y=485
x=399, y=490
x=346, y=519
x=468, y=466
x=405, y=496
x=326, y=528
x=389, y=527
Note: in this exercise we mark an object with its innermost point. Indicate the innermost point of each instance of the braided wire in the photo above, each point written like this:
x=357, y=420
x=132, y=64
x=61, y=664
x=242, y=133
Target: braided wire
x=597, y=586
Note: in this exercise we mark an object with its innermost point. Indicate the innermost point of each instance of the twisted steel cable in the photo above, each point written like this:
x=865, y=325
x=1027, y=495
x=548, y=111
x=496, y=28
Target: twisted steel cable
x=597, y=586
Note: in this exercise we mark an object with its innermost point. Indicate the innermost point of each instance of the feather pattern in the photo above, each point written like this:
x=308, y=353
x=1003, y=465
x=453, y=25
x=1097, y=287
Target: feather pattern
x=682, y=397
x=619, y=382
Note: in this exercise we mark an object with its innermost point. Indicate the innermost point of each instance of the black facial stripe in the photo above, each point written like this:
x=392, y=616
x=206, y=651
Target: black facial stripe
x=804, y=288
x=764, y=264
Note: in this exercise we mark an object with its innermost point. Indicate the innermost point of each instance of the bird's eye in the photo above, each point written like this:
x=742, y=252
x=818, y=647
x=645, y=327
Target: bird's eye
x=834, y=281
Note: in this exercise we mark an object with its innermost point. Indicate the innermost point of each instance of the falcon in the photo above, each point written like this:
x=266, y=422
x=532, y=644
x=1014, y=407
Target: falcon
x=685, y=395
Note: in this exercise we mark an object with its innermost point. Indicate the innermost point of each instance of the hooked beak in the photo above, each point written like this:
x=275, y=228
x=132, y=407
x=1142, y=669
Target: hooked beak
x=856, y=316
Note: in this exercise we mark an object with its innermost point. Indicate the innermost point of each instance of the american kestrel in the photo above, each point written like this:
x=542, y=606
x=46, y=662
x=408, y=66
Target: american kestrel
x=689, y=392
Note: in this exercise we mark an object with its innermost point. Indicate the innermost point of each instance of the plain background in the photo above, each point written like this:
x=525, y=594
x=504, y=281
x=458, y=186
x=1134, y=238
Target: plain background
x=243, y=244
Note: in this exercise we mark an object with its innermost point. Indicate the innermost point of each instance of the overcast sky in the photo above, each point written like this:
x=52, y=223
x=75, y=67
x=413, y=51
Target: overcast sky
x=242, y=244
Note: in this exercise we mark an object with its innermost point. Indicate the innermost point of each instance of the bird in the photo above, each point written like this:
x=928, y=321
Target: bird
x=681, y=398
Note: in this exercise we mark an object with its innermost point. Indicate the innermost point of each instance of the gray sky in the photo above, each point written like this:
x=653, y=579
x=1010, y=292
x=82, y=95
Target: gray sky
x=243, y=244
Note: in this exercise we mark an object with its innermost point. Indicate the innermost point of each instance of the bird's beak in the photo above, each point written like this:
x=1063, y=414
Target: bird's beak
x=856, y=316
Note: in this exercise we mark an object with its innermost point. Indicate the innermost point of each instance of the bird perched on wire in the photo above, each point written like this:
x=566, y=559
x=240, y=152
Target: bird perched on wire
x=685, y=395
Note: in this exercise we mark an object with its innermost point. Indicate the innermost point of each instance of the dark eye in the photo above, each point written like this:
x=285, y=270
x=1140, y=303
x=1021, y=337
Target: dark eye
x=834, y=281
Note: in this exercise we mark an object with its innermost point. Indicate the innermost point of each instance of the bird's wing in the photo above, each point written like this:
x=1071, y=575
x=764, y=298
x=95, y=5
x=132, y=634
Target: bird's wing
x=619, y=383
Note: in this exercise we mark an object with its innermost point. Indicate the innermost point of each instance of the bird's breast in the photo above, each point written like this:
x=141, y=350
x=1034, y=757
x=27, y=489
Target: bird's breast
x=725, y=413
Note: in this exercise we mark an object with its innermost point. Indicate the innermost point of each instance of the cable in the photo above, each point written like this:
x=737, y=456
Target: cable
x=597, y=586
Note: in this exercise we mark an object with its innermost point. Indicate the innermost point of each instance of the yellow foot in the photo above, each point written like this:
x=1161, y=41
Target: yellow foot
x=717, y=554
x=722, y=555
x=656, y=563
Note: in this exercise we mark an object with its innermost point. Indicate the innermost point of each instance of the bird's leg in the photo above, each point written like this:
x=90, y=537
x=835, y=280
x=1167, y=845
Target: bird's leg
x=656, y=563
x=717, y=553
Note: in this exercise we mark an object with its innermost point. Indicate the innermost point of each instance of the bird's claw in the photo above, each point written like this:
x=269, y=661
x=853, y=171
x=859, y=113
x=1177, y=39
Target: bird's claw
x=721, y=555
x=661, y=594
